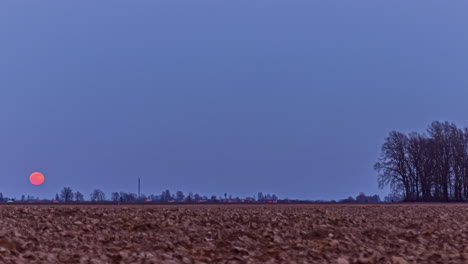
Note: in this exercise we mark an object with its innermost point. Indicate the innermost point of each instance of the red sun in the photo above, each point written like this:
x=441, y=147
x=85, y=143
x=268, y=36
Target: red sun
x=36, y=178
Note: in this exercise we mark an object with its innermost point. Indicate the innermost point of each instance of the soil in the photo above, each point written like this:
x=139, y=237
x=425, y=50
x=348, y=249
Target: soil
x=170, y=234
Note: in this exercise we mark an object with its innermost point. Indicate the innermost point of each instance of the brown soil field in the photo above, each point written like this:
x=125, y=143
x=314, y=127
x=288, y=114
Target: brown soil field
x=397, y=233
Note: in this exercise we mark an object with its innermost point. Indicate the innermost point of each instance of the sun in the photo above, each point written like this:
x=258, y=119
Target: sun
x=36, y=178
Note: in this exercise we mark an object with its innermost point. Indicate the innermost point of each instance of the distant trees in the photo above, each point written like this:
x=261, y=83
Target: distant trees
x=115, y=197
x=180, y=197
x=128, y=197
x=260, y=197
x=166, y=196
x=348, y=200
x=426, y=167
x=362, y=198
x=66, y=194
x=266, y=197
x=154, y=198
x=97, y=196
x=79, y=197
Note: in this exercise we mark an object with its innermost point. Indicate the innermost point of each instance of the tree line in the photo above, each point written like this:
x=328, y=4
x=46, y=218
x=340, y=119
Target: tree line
x=362, y=198
x=428, y=167
x=67, y=194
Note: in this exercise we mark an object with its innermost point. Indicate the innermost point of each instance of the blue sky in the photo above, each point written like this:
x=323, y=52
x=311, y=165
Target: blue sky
x=287, y=97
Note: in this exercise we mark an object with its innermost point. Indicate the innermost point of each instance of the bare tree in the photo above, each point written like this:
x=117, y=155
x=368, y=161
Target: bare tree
x=166, y=196
x=128, y=197
x=66, y=194
x=392, y=164
x=260, y=197
x=98, y=196
x=180, y=196
x=79, y=197
x=115, y=197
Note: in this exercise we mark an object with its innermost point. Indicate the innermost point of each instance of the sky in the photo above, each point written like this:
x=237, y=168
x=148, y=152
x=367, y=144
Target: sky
x=287, y=97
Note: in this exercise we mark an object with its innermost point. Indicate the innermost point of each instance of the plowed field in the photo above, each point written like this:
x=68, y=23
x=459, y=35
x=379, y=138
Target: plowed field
x=400, y=233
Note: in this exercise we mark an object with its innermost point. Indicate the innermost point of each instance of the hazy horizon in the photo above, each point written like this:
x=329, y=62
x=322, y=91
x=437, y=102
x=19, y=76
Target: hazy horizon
x=293, y=98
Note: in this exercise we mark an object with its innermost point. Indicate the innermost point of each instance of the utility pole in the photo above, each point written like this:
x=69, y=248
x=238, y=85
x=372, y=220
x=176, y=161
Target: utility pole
x=139, y=196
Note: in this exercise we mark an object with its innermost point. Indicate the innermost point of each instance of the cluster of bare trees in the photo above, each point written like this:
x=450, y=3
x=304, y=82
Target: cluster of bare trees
x=124, y=197
x=67, y=195
x=426, y=167
x=266, y=197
